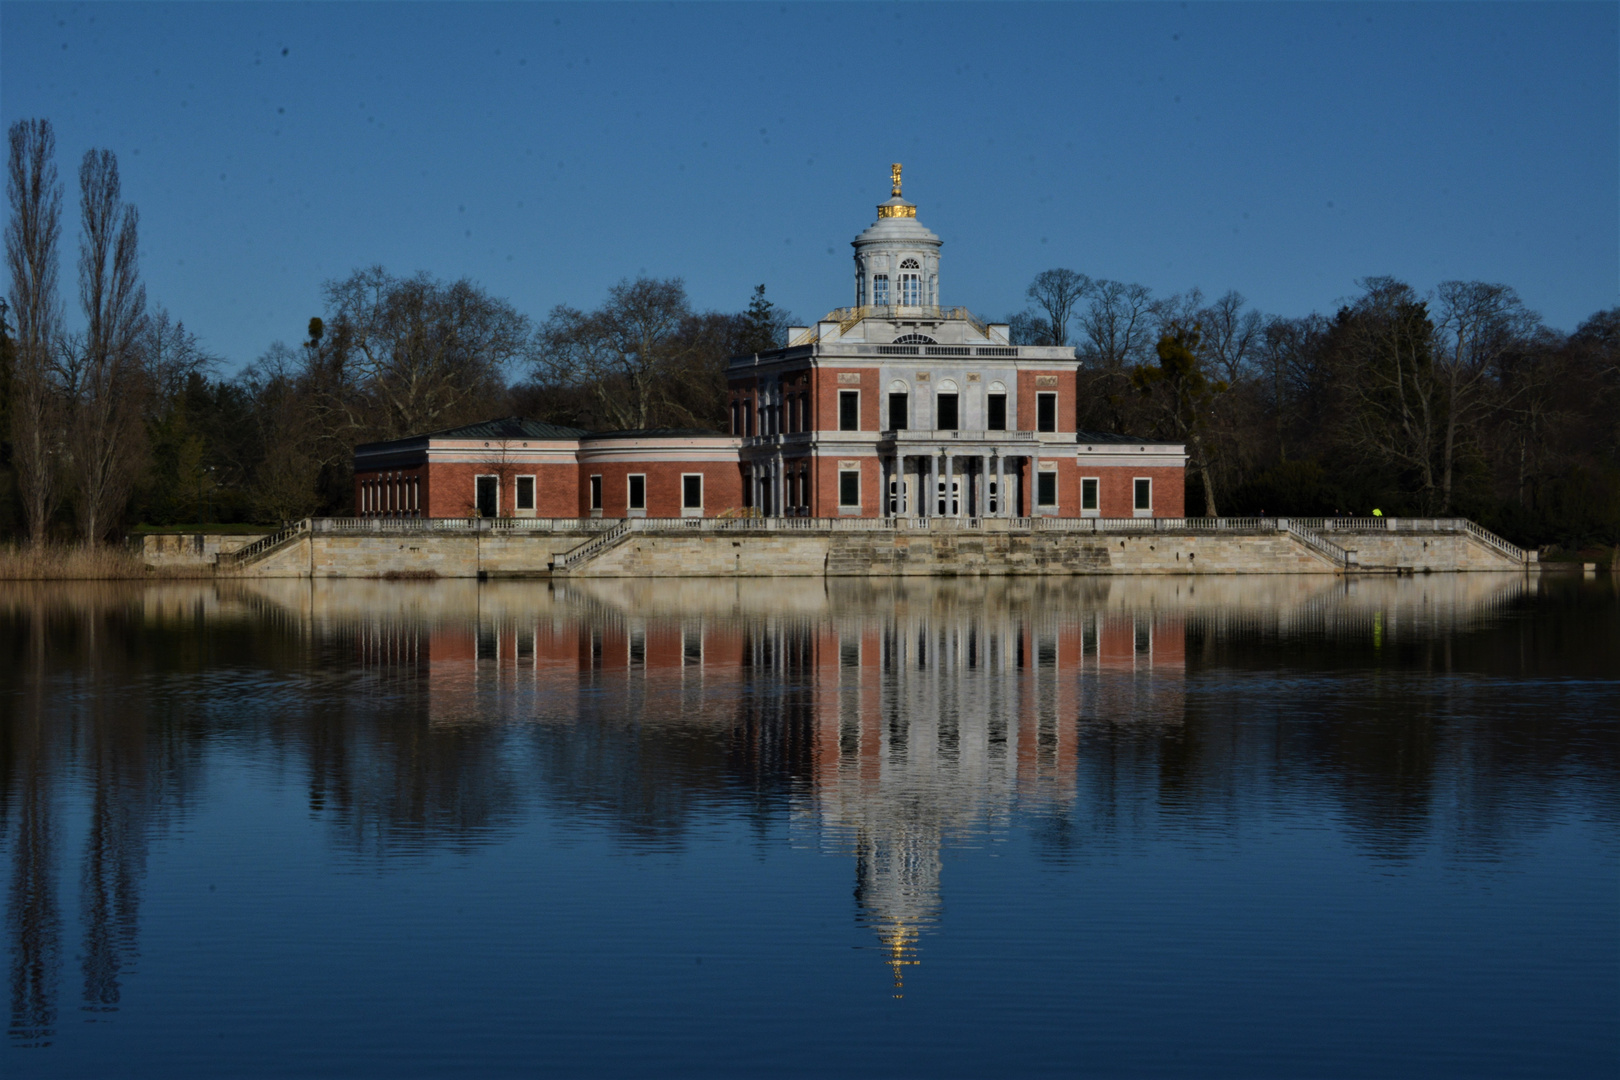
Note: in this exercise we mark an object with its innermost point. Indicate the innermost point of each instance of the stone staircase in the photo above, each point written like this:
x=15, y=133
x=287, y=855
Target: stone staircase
x=597, y=545
x=262, y=548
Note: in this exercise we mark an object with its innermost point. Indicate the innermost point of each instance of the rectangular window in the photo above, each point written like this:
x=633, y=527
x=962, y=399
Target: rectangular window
x=638, y=491
x=748, y=417
x=692, y=491
x=1144, y=494
x=898, y=413
x=849, y=488
x=910, y=290
x=596, y=493
x=946, y=412
x=525, y=493
x=1045, y=412
x=880, y=289
x=849, y=410
x=1046, y=489
x=1088, y=494
x=488, y=494
x=996, y=414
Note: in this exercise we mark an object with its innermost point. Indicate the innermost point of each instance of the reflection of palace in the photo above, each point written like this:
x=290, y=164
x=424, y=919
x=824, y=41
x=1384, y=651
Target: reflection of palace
x=907, y=728
x=891, y=718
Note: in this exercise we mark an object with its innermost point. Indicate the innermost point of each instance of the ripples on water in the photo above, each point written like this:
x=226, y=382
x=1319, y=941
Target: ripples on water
x=1131, y=827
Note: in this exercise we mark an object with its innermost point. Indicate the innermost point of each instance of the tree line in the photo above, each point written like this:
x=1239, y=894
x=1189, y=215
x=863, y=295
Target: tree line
x=130, y=421
x=1458, y=402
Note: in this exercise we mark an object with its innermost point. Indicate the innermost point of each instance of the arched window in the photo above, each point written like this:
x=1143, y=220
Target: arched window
x=899, y=405
x=995, y=406
x=910, y=283
x=914, y=339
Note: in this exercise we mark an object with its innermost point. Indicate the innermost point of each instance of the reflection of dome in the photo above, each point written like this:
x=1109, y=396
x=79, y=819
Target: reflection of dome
x=897, y=885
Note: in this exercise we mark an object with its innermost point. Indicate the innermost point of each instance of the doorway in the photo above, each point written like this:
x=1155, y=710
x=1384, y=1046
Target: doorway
x=488, y=496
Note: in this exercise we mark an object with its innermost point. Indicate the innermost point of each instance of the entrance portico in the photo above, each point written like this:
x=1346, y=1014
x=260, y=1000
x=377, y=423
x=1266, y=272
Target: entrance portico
x=958, y=474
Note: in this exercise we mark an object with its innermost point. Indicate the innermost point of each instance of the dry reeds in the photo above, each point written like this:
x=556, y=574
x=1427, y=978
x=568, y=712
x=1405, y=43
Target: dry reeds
x=58, y=562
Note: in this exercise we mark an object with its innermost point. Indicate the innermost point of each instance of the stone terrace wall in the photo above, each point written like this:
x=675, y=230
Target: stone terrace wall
x=901, y=552
x=860, y=554
x=186, y=549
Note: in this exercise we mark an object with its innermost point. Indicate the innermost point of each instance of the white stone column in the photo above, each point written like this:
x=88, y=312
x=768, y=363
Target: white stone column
x=950, y=509
x=1001, y=486
x=931, y=500
x=780, y=481
x=1035, y=482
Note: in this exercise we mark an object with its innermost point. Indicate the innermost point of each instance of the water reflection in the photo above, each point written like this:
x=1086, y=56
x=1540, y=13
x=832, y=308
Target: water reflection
x=887, y=720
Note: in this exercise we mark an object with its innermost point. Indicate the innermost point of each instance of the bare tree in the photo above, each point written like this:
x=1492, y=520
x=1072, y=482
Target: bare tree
x=285, y=477
x=1116, y=328
x=1057, y=292
x=35, y=197
x=405, y=356
x=1232, y=335
x=1117, y=325
x=1185, y=396
x=104, y=372
x=1478, y=325
x=171, y=355
x=630, y=352
x=1027, y=328
x=1400, y=408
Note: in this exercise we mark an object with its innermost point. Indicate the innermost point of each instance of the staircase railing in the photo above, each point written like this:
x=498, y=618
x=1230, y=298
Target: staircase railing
x=594, y=546
x=1319, y=544
x=261, y=547
x=1494, y=542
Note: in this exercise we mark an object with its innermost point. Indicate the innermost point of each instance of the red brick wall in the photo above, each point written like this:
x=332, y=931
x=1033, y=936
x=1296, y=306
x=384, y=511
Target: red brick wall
x=722, y=486
x=1115, y=489
x=1066, y=402
x=824, y=398
x=451, y=491
x=745, y=393
x=825, y=486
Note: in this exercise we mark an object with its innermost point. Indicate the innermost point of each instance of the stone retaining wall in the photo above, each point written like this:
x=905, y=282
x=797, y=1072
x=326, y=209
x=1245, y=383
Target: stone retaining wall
x=186, y=549
x=940, y=553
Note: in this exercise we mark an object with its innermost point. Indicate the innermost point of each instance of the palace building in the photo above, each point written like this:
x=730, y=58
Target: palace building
x=893, y=407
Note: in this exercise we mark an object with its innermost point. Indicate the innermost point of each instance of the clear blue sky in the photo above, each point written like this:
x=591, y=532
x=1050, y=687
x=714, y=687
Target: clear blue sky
x=547, y=151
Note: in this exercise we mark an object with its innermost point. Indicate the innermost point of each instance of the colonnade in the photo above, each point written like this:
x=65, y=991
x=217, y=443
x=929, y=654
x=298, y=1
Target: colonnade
x=957, y=484
x=777, y=487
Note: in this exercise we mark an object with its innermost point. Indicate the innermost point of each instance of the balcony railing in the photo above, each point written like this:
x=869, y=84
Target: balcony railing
x=847, y=317
x=906, y=435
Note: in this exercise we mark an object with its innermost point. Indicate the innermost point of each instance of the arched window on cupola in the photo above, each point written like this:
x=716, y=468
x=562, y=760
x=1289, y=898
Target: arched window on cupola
x=910, y=283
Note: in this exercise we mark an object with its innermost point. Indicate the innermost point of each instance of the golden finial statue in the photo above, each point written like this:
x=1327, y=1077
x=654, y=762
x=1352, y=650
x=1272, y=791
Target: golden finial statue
x=896, y=207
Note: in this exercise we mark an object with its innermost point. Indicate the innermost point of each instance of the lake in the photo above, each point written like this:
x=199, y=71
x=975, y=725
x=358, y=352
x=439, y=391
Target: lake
x=1166, y=827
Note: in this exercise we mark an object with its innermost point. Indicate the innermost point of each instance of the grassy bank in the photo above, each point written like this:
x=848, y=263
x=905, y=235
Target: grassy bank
x=57, y=562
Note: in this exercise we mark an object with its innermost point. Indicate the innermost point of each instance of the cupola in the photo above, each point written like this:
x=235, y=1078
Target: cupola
x=896, y=258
